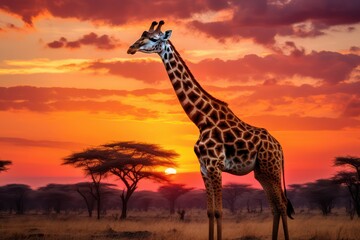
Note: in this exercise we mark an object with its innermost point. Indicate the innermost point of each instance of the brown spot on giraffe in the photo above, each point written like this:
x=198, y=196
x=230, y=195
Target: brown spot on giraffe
x=226, y=143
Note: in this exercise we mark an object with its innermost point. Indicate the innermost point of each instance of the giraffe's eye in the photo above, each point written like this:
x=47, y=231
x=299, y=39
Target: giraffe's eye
x=153, y=39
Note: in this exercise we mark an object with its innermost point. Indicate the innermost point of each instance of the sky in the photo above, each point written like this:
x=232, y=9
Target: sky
x=66, y=82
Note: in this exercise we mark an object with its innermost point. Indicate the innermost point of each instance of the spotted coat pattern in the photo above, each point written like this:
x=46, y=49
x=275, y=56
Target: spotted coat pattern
x=226, y=143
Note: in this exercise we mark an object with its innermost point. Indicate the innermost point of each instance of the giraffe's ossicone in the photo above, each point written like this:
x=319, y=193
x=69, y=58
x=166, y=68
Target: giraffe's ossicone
x=226, y=143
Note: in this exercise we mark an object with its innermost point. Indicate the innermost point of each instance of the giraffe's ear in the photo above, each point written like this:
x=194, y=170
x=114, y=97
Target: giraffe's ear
x=167, y=35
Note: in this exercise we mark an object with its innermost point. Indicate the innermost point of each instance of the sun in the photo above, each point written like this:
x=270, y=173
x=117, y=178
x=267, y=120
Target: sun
x=170, y=171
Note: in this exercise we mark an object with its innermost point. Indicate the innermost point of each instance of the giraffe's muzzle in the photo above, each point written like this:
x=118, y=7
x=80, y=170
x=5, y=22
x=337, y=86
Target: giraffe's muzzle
x=132, y=50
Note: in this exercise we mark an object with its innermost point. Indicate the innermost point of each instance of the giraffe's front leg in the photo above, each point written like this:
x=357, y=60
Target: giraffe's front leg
x=217, y=186
x=213, y=183
x=210, y=202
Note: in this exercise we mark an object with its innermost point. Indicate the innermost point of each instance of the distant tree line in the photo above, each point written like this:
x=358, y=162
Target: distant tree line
x=65, y=198
x=131, y=162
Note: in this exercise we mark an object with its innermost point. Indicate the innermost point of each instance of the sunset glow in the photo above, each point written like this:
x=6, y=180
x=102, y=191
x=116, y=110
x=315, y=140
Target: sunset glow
x=170, y=171
x=66, y=82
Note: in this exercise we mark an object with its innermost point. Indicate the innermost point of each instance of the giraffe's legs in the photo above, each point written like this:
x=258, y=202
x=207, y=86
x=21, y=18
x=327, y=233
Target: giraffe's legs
x=285, y=225
x=211, y=224
x=210, y=204
x=218, y=208
x=214, y=202
x=277, y=200
x=276, y=221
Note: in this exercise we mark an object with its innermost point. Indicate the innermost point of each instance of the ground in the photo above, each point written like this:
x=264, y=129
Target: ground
x=158, y=225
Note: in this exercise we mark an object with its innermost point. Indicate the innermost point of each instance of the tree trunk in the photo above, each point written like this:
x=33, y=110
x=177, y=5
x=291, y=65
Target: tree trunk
x=98, y=202
x=357, y=199
x=232, y=207
x=355, y=196
x=98, y=208
x=357, y=208
x=88, y=205
x=20, y=207
x=181, y=214
x=124, y=209
x=172, y=207
x=125, y=197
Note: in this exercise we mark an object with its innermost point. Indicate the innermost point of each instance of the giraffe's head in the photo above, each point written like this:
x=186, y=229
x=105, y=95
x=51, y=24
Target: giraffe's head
x=152, y=41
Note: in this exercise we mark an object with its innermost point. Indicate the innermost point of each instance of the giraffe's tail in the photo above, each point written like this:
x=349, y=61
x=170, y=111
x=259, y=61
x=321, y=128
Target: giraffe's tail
x=289, y=207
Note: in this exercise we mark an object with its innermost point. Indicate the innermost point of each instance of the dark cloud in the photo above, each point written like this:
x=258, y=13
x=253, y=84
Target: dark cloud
x=113, y=12
x=104, y=42
x=26, y=10
x=290, y=48
x=353, y=107
x=260, y=20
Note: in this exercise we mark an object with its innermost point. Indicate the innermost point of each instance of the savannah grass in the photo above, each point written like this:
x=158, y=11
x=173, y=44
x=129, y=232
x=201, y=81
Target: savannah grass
x=158, y=225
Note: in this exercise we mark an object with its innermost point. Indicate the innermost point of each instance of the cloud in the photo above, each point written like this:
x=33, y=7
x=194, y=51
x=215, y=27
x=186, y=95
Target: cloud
x=353, y=108
x=111, y=12
x=278, y=107
x=27, y=10
x=23, y=142
x=103, y=42
x=330, y=67
x=274, y=91
x=355, y=49
x=290, y=107
x=262, y=20
x=301, y=123
x=148, y=71
x=69, y=99
x=8, y=27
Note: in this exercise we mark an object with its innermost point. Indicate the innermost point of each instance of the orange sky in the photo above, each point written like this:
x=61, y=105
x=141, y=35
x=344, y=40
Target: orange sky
x=66, y=82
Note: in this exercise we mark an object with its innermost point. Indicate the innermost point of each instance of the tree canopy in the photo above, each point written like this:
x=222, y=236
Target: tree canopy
x=132, y=162
x=172, y=192
x=129, y=161
x=351, y=161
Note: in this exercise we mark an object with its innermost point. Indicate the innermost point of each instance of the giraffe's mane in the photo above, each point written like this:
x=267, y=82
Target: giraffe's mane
x=194, y=80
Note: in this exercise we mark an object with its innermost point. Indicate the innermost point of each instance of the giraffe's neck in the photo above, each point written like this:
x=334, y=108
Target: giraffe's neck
x=196, y=102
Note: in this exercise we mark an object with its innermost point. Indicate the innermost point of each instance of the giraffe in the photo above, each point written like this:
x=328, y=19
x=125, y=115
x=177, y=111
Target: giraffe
x=226, y=143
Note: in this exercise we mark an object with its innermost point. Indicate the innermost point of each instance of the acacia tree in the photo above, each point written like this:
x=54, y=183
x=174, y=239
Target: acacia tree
x=55, y=197
x=232, y=191
x=351, y=179
x=15, y=196
x=322, y=193
x=4, y=164
x=87, y=192
x=87, y=160
x=172, y=192
x=133, y=161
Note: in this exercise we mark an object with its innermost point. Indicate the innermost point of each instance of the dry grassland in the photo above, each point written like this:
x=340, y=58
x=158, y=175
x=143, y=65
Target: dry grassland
x=157, y=226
